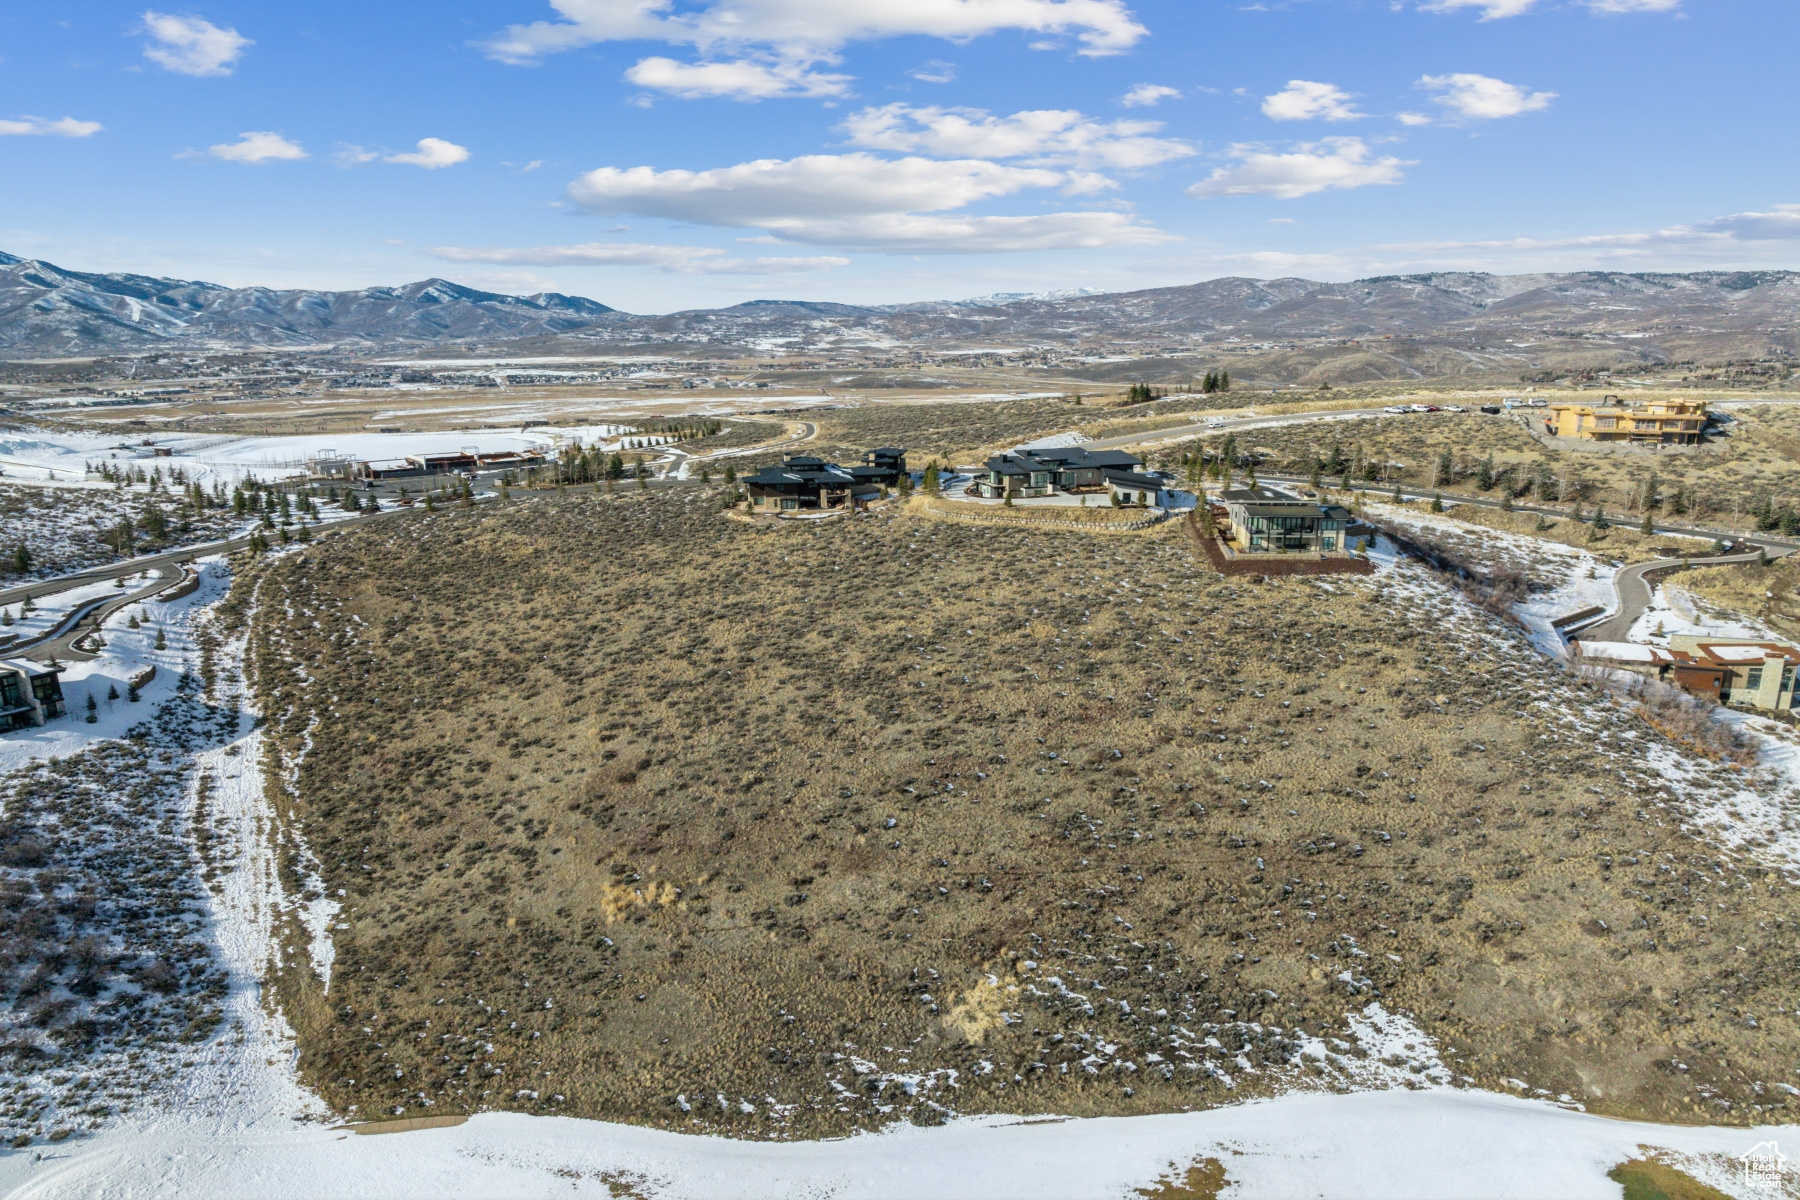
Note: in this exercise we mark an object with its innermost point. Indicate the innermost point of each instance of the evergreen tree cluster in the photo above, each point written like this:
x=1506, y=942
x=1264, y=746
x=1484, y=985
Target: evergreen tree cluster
x=1215, y=381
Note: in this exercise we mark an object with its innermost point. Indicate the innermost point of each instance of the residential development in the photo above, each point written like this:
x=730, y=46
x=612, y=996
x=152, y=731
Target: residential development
x=1024, y=474
x=30, y=694
x=1752, y=674
x=1666, y=422
x=1266, y=520
x=802, y=483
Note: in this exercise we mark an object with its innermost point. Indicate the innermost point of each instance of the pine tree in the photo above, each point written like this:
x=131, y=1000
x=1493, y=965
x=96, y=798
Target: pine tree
x=1600, y=521
x=1446, y=471
x=1506, y=501
x=92, y=709
x=162, y=641
x=1647, y=526
x=21, y=559
x=1224, y=381
x=1484, y=475
x=1437, y=502
x=112, y=691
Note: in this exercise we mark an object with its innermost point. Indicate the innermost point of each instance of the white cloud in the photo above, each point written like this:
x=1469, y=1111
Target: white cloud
x=67, y=127
x=1491, y=10
x=432, y=153
x=257, y=148
x=351, y=156
x=1723, y=239
x=808, y=31
x=912, y=233
x=1304, y=100
x=935, y=71
x=1329, y=164
x=1495, y=10
x=1482, y=98
x=742, y=80
x=685, y=260
x=814, y=185
x=859, y=201
x=1148, y=95
x=1412, y=118
x=192, y=45
x=1039, y=137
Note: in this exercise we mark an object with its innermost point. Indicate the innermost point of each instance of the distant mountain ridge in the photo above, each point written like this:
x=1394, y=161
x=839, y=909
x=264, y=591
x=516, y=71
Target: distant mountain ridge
x=46, y=310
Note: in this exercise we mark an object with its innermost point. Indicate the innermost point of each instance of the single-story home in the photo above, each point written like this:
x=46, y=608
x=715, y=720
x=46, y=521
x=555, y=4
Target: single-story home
x=1028, y=473
x=1731, y=671
x=1131, y=487
x=803, y=483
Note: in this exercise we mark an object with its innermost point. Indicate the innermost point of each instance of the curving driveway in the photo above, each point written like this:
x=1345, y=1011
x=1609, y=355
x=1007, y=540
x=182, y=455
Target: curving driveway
x=1634, y=591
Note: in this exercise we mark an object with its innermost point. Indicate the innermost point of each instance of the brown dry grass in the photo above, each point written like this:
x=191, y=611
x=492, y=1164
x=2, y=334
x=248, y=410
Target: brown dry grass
x=889, y=768
x=1724, y=477
x=1100, y=514
x=1769, y=594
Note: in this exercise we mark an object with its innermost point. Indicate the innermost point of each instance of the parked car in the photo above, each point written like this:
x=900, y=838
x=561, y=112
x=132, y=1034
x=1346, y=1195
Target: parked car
x=1396, y=409
x=1492, y=410
x=1456, y=408
x=1433, y=408
x=1538, y=402
x=1215, y=423
x=1418, y=408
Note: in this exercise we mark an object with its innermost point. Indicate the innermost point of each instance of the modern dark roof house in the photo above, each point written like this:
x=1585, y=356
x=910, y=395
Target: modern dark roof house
x=1266, y=519
x=1044, y=472
x=803, y=483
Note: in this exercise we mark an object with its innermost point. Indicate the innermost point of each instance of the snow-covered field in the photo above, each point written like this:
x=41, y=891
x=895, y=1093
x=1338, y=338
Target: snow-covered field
x=36, y=456
x=1673, y=610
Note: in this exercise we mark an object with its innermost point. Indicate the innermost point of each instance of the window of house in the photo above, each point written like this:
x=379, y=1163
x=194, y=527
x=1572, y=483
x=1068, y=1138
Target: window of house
x=790, y=504
x=1328, y=542
x=9, y=691
x=1753, y=678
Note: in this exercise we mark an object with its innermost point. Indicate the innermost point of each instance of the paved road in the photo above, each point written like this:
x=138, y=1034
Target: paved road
x=1777, y=545
x=167, y=558
x=1634, y=593
x=1632, y=589
x=59, y=643
x=1228, y=424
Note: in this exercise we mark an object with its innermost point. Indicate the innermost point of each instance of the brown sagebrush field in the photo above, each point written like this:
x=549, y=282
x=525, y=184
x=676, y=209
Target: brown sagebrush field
x=1720, y=481
x=644, y=814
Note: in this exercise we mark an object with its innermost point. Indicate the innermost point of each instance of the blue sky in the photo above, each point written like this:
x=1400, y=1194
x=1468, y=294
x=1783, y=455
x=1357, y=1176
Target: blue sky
x=665, y=154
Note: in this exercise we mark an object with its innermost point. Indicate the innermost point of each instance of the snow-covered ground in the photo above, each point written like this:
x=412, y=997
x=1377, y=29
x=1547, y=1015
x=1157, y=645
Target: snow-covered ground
x=1674, y=610
x=38, y=456
x=1432, y=1143
x=51, y=610
x=128, y=653
x=1583, y=580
